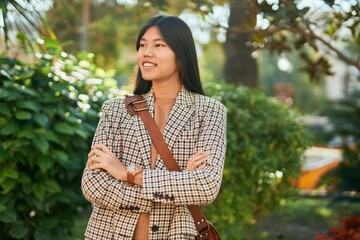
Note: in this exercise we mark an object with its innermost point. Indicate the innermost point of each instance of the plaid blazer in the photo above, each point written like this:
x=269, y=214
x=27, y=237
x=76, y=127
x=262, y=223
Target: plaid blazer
x=196, y=122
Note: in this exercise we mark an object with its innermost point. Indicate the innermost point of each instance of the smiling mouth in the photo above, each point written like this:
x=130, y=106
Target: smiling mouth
x=149, y=64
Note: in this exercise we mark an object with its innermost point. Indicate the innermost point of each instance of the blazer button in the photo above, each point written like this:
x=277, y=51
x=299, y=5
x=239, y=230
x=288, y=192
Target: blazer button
x=154, y=228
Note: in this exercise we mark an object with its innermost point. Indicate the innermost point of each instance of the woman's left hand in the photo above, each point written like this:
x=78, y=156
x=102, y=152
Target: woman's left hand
x=197, y=161
x=100, y=156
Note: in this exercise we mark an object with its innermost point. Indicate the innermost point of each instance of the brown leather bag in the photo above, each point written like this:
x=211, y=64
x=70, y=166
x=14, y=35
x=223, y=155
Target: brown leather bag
x=136, y=105
x=213, y=233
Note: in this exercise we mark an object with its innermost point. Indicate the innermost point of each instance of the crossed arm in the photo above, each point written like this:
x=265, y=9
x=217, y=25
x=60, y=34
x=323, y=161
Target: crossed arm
x=101, y=157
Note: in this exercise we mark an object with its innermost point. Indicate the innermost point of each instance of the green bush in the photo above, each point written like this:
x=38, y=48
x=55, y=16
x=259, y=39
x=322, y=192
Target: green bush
x=48, y=114
x=265, y=147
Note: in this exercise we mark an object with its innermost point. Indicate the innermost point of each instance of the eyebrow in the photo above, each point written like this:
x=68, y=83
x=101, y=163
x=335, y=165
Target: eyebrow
x=155, y=40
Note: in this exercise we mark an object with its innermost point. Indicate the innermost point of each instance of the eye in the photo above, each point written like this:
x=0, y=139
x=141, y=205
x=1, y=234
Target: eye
x=158, y=45
x=141, y=45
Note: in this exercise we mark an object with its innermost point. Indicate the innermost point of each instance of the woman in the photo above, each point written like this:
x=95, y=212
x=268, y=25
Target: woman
x=150, y=202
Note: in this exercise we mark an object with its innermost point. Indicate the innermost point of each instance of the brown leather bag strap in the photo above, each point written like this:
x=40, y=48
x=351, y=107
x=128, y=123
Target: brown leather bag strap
x=136, y=105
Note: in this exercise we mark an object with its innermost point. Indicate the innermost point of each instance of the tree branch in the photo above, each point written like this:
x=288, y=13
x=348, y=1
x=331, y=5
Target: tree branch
x=311, y=35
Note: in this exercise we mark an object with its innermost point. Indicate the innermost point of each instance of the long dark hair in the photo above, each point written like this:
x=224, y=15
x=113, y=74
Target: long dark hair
x=177, y=35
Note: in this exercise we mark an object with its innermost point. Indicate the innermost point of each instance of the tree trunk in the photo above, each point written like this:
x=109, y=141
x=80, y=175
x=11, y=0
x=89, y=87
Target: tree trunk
x=85, y=25
x=240, y=66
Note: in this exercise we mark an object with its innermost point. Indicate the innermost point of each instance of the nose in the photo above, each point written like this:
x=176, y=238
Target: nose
x=148, y=52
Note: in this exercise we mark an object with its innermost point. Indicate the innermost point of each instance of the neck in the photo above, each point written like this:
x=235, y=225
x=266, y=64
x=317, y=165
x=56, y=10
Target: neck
x=166, y=89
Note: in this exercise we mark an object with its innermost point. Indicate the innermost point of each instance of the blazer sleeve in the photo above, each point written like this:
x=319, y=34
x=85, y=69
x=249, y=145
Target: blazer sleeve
x=198, y=187
x=99, y=187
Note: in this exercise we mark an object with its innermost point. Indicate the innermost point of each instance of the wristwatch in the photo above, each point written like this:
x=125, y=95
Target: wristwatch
x=132, y=170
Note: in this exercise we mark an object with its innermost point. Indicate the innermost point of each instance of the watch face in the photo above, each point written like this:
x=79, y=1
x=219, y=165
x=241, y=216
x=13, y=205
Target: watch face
x=133, y=168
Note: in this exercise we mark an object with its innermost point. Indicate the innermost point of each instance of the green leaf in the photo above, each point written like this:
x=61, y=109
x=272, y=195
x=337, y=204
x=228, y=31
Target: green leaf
x=7, y=185
x=65, y=128
x=82, y=133
x=4, y=93
x=45, y=163
x=9, y=172
x=3, y=121
x=28, y=91
x=19, y=230
x=41, y=119
x=10, y=128
x=16, y=144
x=2, y=208
x=8, y=216
x=27, y=132
x=51, y=136
x=26, y=74
x=5, y=155
x=60, y=156
x=24, y=178
x=29, y=105
x=39, y=190
x=41, y=143
x=52, y=186
x=41, y=235
x=5, y=74
x=72, y=119
x=5, y=110
x=23, y=115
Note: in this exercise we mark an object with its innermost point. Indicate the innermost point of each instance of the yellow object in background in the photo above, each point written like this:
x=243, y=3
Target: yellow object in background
x=318, y=161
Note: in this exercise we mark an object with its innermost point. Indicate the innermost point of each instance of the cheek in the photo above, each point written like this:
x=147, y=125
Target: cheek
x=138, y=57
x=175, y=64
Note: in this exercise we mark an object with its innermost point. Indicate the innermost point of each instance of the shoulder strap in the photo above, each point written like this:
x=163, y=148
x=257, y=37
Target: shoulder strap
x=136, y=105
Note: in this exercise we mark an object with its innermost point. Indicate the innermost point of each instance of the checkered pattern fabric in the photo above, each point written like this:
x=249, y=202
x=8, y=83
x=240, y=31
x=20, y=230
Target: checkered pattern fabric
x=195, y=123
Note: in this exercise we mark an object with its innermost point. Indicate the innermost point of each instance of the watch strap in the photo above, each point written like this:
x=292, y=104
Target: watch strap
x=130, y=179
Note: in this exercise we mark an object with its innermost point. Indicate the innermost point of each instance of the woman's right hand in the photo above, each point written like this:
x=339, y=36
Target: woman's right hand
x=197, y=161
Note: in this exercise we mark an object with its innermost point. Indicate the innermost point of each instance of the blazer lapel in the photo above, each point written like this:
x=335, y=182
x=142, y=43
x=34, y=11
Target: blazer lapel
x=179, y=115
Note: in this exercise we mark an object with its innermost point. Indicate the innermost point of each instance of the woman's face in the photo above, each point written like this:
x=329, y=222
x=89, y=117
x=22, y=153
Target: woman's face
x=155, y=58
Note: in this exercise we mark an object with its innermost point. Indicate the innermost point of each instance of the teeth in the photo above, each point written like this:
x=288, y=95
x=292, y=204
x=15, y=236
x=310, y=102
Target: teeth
x=147, y=64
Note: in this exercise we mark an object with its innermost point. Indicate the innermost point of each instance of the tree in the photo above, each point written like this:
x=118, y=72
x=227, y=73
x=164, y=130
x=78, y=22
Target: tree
x=240, y=65
x=288, y=26
x=314, y=34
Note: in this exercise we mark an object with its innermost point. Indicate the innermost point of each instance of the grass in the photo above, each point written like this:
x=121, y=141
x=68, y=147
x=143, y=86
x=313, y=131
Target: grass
x=303, y=219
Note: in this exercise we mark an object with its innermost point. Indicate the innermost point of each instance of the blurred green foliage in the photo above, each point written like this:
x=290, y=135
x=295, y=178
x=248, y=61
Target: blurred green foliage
x=345, y=115
x=48, y=114
x=265, y=147
x=308, y=97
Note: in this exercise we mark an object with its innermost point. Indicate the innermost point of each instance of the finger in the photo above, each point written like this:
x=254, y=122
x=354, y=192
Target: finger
x=94, y=166
x=200, y=157
x=92, y=160
x=195, y=162
x=200, y=162
x=197, y=154
x=102, y=147
x=99, y=153
x=202, y=166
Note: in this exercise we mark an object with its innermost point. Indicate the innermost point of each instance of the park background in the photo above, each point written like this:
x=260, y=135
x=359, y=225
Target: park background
x=288, y=72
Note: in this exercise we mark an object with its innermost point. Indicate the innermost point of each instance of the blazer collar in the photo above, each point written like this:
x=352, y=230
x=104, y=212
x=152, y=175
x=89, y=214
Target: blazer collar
x=179, y=115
